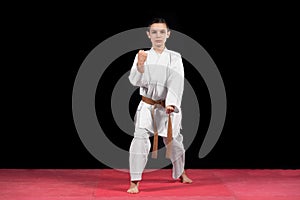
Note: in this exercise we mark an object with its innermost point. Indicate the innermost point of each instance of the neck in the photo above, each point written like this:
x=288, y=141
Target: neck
x=159, y=49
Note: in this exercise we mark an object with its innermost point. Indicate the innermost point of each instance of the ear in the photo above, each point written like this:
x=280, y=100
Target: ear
x=148, y=34
x=168, y=34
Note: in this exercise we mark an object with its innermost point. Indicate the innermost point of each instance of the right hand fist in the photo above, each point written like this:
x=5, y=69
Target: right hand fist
x=142, y=56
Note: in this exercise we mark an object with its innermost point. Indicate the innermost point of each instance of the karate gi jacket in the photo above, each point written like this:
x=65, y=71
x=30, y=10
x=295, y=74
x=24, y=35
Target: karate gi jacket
x=163, y=79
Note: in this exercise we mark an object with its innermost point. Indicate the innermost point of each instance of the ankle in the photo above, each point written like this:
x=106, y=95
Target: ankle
x=134, y=182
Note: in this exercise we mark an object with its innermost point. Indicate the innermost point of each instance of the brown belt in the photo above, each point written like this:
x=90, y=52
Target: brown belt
x=155, y=138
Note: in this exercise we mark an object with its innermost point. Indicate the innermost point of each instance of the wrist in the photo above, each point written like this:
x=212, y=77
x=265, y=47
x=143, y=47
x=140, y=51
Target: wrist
x=140, y=64
x=140, y=68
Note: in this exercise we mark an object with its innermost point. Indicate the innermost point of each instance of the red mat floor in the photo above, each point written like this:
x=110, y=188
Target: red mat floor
x=93, y=184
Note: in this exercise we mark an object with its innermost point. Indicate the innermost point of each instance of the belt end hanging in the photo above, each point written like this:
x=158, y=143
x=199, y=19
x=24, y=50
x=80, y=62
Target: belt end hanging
x=155, y=145
x=154, y=155
x=169, y=139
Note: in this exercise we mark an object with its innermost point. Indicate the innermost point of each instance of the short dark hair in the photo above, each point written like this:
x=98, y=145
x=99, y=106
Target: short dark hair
x=158, y=20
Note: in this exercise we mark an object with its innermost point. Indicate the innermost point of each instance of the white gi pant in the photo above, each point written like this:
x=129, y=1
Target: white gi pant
x=139, y=151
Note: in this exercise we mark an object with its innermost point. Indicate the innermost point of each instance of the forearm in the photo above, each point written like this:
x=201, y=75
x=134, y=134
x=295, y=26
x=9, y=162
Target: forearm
x=136, y=77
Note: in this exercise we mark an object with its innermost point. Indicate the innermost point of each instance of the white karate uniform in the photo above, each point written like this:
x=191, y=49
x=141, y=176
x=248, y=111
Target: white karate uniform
x=163, y=79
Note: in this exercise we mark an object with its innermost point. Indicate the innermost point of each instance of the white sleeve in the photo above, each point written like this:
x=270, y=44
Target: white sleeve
x=175, y=84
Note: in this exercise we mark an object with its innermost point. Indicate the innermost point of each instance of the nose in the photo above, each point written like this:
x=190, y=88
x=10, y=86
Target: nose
x=158, y=35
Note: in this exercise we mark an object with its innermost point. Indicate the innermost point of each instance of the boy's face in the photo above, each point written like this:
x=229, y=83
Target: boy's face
x=158, y=34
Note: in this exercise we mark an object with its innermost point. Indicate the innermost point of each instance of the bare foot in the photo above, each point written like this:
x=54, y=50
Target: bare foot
x=133, y=187
x=185, y=179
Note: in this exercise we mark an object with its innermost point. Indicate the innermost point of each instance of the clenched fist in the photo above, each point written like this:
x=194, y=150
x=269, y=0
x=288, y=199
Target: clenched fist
x=142, y=56
x=170, y=109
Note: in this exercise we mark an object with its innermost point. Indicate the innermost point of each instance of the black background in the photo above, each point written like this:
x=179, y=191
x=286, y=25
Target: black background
x=43, y=48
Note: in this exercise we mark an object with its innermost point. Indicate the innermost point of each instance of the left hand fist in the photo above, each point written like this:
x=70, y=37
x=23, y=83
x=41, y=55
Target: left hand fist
x=170, y=109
